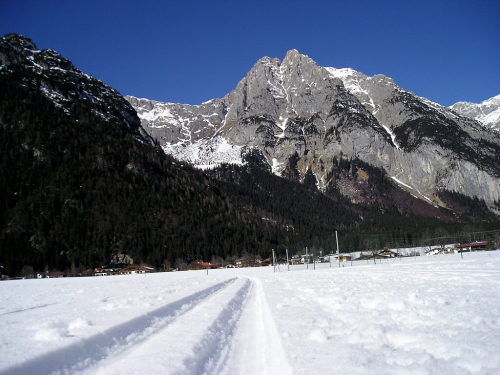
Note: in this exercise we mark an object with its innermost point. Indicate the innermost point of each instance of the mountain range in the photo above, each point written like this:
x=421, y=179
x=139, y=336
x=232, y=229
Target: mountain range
x=302, y=118
x=293, y=154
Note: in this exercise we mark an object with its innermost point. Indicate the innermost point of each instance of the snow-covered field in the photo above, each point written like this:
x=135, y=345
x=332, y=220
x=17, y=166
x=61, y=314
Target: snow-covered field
x=426, y=315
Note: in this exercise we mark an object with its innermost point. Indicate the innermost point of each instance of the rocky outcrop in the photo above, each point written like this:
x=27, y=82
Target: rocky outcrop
x=295, y=108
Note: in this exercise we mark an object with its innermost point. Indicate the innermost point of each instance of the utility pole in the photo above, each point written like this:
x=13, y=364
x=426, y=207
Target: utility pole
x=459, y=247
x=274, y=262
x=338, y=253
x=287, y=261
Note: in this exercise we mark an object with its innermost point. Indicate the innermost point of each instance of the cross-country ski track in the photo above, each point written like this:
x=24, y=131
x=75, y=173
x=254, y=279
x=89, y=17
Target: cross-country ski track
x=240, y=339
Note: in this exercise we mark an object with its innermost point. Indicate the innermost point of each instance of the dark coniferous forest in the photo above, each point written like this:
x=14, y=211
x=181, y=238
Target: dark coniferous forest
x=77, y=188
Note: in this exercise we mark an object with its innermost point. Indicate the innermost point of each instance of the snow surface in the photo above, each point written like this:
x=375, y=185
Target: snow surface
x=423, y=315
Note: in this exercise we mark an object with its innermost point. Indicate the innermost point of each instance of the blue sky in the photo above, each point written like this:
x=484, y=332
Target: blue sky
x=192, y=51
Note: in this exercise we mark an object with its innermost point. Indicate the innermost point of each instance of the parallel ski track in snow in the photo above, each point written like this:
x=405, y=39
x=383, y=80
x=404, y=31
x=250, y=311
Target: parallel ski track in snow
x=211, y=353
x=232, y=332
x=224, y=329
x=87, y=352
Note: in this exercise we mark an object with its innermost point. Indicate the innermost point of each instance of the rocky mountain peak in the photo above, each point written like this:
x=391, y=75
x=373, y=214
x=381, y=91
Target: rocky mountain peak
x=20, y=42
x=302, y=119
x=293, y=54
x=285, y=89
x=295, y=61
x=14, y=48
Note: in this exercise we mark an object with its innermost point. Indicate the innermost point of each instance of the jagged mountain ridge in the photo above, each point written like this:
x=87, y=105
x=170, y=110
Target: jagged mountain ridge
x=486, y=112
x=324, y=114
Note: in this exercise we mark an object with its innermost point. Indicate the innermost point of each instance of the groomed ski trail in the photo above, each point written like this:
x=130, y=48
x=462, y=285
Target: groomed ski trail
x=232, y=332
x=257, y=347
x=108, y=344
x=226, y=328
x=195, y=343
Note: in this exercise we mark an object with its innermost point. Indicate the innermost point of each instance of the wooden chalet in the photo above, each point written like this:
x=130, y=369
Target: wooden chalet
x=135, y=269
x=201, y=266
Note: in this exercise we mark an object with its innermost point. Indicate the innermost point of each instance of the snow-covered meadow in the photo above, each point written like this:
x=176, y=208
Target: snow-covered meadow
x=424, y=315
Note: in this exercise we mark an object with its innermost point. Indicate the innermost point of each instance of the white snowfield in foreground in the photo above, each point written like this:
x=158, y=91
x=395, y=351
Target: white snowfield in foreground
x=426, y=315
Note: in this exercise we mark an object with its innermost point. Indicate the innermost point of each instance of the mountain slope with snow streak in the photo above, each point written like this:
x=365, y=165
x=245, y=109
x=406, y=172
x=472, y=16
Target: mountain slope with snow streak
x=430, y=315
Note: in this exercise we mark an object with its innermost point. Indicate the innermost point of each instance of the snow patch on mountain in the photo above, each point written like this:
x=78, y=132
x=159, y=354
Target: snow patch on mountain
x=160, y=117
x=366, y=89
x=207, y=153
x=391, y=133
x=487, y=112
x=277, y=167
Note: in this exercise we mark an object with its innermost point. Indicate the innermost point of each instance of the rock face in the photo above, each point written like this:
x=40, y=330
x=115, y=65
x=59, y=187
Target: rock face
x=487, y=112
x=295, y=109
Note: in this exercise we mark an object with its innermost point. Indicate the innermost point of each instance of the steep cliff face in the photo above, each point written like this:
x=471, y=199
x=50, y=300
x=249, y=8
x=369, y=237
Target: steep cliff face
x=436, y=147
x=295, y=109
